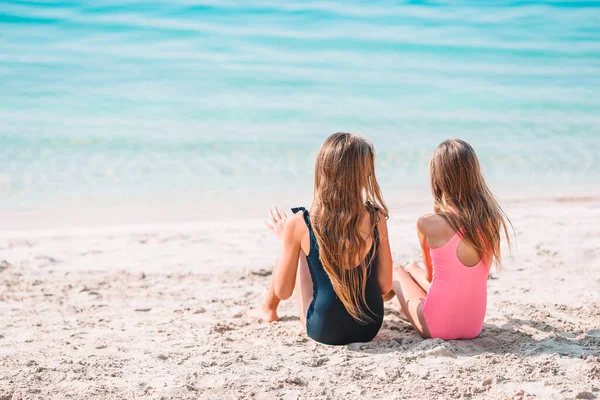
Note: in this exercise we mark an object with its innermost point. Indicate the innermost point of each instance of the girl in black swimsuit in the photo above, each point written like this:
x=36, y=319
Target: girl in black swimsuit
x=337, y=257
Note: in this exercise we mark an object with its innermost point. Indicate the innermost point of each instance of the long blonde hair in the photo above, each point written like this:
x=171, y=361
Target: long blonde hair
x=463, y=199
x=345, y=184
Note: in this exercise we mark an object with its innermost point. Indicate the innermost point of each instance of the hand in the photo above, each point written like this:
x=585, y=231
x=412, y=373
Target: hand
x=276, y=221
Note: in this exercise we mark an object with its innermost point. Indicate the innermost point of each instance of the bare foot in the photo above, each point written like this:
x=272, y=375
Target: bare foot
x=264, y=314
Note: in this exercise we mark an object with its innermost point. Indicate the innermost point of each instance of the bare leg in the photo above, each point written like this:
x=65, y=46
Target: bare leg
x=304, y=294
x=419, y=275
x=411, y=296
x=391, y=294
x=268, y=309
x=303, y=289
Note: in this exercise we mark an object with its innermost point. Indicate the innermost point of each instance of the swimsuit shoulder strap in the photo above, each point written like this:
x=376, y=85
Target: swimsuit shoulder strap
x=458, y=235
x=314, y=248
x=296, y=210
x=374, y=209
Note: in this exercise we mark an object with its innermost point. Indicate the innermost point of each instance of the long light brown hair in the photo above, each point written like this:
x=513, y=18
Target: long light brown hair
x=345, y=185
x=463, y=199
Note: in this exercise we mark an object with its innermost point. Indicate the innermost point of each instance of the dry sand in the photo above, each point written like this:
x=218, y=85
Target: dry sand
x=160, y=311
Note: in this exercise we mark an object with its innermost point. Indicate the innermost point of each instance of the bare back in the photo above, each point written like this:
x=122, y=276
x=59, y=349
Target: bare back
x=438, y=232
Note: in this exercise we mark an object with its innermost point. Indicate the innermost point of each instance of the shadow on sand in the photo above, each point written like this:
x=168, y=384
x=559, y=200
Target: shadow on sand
x=514, y=336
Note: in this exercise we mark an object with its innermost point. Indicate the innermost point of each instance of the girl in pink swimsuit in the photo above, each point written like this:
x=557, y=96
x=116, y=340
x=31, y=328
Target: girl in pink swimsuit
x=460, y=242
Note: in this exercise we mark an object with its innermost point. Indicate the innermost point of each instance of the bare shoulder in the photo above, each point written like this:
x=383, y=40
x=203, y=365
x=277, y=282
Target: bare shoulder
x=434, y=225
x=382, y=217
x=382, y=221
x=430, y=221
x=296, y=220
x=296, y=224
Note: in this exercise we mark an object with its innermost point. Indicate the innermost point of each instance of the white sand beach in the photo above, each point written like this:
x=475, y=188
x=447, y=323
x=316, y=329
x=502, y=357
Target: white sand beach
x=160, y=311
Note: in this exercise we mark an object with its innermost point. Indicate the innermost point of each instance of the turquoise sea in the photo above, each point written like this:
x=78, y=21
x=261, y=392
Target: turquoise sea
x=120, y=99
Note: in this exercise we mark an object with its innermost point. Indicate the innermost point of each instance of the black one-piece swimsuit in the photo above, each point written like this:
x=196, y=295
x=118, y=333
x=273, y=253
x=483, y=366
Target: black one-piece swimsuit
x=327, y=320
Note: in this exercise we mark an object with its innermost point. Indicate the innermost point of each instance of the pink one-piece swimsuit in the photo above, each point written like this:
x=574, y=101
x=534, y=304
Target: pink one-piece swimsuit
x=455, y=304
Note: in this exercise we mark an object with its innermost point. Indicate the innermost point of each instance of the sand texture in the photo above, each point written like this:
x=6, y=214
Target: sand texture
x=161, y=312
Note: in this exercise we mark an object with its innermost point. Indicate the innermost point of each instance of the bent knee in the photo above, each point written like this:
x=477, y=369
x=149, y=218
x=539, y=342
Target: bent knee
x=401, y=273
x=412, y=268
